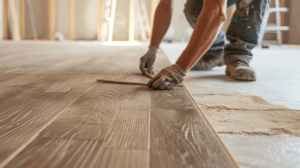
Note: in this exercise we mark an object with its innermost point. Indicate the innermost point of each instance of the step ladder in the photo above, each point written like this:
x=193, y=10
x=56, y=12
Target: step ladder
x=273, y=27
x=109, y=11
x=143, y=19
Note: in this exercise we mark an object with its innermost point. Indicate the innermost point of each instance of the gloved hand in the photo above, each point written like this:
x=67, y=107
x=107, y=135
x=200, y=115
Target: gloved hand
x=168, y=78
x=148, y=60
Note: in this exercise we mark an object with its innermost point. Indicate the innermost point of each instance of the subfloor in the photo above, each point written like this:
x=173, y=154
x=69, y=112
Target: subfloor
x=258, y=121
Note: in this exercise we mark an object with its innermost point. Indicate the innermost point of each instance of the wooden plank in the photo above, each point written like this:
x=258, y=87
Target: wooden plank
x=74, y=138
x=52, y=17
x=128, y=136
x=100, y=18
x=131, y=20
x=37, y=114
x=22, y=18
x=71, y=19
x=153, y=9
x=180, y=135
x=14, y=20
x=5, y=21
x=25, y=114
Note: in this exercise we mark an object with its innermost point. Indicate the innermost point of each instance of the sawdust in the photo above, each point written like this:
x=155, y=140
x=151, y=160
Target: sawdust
x=232, y=112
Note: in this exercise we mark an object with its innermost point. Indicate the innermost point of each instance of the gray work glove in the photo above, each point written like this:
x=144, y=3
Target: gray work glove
x=168, y=78
x=148, y=60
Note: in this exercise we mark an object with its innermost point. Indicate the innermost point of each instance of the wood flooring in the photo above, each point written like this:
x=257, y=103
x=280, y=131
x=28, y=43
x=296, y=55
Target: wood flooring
x=53, y=113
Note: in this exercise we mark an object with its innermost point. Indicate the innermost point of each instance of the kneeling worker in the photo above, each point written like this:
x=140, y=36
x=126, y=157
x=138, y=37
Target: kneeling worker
x=207, y=48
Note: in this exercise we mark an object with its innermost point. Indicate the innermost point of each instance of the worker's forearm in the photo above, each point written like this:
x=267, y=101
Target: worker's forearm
x=162, y=20
x=205, y=32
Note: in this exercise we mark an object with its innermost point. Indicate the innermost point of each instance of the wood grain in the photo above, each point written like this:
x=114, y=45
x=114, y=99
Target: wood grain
x=24, y=114
x=54, y=114
x=73, y=138
x=180, y=137
x=127, y=142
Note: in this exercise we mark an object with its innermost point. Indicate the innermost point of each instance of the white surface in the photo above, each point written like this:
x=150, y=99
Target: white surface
x=278, y=77
x=264, y=152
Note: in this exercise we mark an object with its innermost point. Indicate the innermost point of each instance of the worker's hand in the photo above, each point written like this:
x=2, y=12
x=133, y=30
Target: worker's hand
x=168, y=78
x=148, y=60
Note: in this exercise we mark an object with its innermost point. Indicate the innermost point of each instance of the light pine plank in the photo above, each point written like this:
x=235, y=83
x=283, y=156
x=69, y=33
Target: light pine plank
x=180, y=136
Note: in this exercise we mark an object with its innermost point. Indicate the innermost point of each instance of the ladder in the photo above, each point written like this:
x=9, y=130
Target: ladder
x=143, y=19
x=273, y=27
x=109, y=11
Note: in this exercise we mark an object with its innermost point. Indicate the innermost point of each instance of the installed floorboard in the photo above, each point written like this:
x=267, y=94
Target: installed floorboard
x=180, y=137
x=54, y=114
x=127, y=142
x=25, y=113
x=73, y=138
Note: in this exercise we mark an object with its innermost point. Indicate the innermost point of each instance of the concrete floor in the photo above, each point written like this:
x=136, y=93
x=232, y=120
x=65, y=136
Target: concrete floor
x=278, y=81
x=278, y=77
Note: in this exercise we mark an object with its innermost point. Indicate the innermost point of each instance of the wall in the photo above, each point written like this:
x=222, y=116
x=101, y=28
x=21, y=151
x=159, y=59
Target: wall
x=85, y=26
x=86, y=20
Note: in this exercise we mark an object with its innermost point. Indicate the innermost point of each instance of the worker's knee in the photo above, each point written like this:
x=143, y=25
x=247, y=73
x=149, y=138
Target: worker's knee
x=192, y=10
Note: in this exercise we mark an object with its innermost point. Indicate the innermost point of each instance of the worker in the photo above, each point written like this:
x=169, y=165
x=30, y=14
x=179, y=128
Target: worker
x=207, y=47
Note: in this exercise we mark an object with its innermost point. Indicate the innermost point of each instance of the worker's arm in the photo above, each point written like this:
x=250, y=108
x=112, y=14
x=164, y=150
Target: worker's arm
x=207, y=27
x=162, y=20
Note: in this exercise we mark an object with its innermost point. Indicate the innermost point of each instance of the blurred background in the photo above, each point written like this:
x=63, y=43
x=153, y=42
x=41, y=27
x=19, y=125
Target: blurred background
x=83, y=20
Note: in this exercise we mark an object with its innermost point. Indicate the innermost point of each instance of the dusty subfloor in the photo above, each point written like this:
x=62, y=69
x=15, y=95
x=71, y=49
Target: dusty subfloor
x=243, y=113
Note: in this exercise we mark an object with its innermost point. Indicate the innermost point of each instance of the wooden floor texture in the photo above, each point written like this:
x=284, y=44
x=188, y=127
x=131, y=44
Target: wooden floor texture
x=53, y=113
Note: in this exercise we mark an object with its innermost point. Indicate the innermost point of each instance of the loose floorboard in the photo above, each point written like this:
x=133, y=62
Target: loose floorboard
x=54, y=114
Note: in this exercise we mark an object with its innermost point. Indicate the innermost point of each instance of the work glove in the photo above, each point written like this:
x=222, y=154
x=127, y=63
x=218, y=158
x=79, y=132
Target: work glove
x=168, y=78
x=148, y=60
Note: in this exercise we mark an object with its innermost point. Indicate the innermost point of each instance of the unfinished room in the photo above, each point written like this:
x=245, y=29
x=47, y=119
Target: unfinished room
x=149, y=84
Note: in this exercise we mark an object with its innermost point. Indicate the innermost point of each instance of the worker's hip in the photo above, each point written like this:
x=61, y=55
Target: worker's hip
x=193, y=8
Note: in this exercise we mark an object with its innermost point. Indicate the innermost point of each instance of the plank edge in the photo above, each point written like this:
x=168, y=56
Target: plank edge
x=202, y=114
